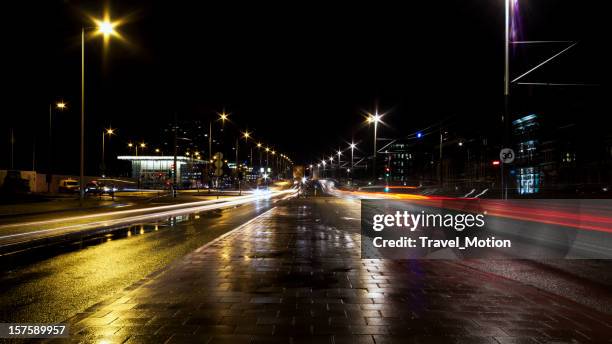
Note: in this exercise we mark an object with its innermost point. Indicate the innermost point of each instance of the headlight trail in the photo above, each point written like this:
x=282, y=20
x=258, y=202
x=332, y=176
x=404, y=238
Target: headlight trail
x=114, y=223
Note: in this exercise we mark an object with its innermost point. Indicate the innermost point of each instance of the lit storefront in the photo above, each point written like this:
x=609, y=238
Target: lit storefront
x=157, y=171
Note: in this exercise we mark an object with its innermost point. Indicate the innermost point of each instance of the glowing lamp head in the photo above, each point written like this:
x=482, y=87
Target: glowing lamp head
x=110, y=131
x=352, y=146
x=143, y=145
x=374, y=118
x=130, y=145
x=106, y=27
x=60, y=105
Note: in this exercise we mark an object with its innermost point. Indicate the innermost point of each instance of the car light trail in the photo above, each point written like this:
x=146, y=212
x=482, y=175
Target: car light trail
x=537, y=212
x=114, y=223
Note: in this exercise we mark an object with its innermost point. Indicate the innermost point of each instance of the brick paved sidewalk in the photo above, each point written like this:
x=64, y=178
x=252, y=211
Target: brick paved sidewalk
x=289, y=277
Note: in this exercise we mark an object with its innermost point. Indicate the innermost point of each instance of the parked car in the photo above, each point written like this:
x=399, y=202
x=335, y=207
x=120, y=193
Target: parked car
x=68, y=185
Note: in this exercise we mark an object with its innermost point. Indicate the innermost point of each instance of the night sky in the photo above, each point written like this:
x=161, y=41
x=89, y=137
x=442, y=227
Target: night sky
x=300, y=75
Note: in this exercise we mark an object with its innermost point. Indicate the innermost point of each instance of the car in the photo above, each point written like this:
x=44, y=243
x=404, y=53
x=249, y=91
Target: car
x=68, y=185
x=97, y=188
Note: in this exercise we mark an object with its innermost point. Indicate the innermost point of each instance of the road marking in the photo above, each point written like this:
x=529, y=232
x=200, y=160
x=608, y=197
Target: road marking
x=233, y=230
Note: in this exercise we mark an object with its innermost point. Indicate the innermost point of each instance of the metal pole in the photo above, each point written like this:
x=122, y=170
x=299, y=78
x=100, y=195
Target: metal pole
x=506, y=120
x=374, y=161
x=50, y=168
x=175, y=167
x=82, y=167
x=103, y=162
x=440, y=159
x=210, y=154
x=237, y=142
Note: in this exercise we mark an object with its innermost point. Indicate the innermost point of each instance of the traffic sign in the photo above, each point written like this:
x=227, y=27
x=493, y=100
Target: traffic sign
x=506, y=155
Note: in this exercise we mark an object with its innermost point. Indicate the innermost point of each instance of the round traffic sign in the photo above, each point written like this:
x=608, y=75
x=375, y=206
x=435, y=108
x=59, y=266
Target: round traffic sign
x=506, y=155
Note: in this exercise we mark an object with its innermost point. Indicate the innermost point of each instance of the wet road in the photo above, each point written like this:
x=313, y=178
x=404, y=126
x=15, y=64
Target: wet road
x=295, y=275
x=68, y=279
x=52, y=283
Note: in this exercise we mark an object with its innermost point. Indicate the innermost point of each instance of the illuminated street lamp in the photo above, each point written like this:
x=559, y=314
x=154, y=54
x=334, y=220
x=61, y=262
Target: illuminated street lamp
x=105, y=132
x=61, y=106
x=259, y=149
x=223, y=117
x=142, y=145
x=106, y=28
x=374, y=119
x=352, y=146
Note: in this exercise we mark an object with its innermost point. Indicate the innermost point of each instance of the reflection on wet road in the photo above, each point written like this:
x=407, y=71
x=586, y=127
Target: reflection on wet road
x=62, y=280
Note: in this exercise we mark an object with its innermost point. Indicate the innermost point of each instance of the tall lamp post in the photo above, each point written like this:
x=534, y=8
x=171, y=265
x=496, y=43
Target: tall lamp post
x=259, y=149
x=506, y=119
x=352, y=146
x=106, y=28
x=374, y=119
x=109, y=132
x=59, y=106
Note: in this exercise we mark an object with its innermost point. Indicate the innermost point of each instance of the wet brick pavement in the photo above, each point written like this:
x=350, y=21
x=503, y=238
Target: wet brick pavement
x=290, y=276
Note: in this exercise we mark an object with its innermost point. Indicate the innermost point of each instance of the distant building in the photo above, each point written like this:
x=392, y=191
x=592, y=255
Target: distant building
x=526, y=131
x=399, y=160
x=157, y=171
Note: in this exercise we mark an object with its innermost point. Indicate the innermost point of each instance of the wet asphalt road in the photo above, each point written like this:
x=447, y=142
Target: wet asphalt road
x=64, y=280
x=52, y=283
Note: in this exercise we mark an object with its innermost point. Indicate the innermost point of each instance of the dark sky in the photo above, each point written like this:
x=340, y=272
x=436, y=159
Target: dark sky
x=299, y=74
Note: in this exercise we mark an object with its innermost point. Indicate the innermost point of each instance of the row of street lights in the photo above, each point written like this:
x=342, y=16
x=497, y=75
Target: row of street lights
x=370, y=119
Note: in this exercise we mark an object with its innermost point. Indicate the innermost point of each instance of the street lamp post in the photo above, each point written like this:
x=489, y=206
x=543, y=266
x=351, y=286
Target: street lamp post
x=60, y=106
x=109, y=132
x=506, y=120
x=259, y=149
x=352, y=145
x=142, y=145
x=374, y=119
x=267, y=156
x=106, y=28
